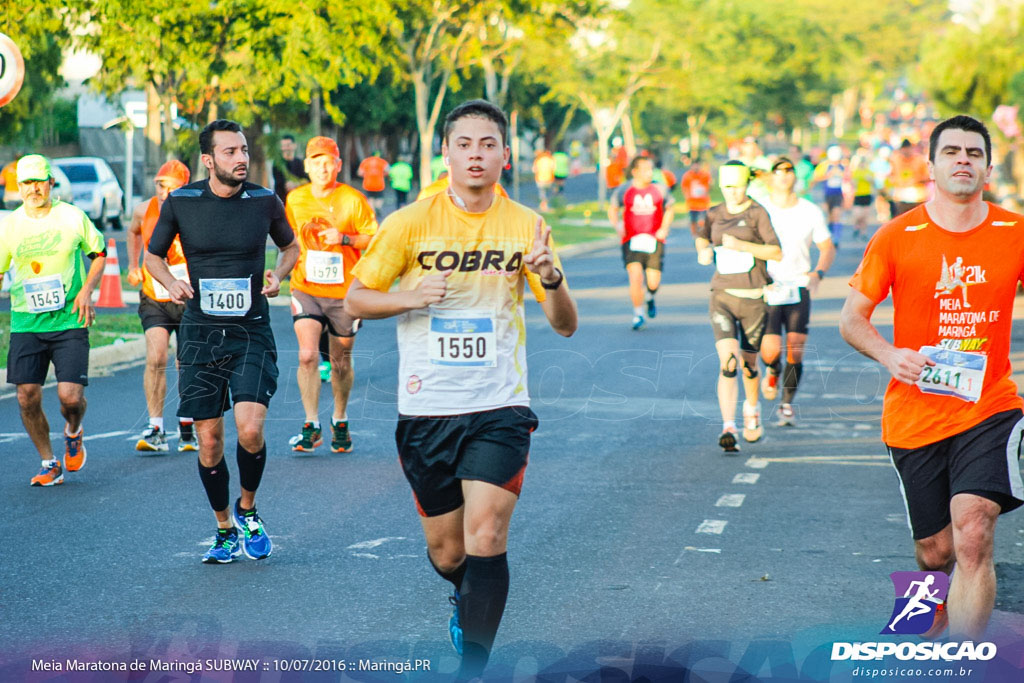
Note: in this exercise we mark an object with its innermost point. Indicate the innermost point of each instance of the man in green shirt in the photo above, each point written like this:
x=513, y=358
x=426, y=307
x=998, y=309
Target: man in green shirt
x=51, y=308
x=400, y=175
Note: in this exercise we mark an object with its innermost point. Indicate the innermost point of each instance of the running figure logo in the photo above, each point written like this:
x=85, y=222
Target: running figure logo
x=919, y=597
x=958, y=276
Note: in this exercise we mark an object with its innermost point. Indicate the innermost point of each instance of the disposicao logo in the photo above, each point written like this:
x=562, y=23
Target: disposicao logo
x=919, y=596
x=919, y=606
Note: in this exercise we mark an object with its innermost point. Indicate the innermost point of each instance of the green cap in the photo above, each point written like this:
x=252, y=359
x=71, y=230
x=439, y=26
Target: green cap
x=733, y=175
x=33, y=167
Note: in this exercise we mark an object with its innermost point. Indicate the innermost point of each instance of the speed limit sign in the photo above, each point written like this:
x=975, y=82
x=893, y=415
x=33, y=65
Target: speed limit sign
x=12, y=69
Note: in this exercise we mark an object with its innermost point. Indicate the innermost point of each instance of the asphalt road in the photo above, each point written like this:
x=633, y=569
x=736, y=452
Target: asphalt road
x=638, y=551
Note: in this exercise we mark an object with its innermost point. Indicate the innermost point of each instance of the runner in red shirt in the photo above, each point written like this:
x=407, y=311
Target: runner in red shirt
x=952, y=419
x=646, y=217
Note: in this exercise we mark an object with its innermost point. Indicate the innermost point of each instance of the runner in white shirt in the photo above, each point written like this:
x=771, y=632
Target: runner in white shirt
x=798, y=222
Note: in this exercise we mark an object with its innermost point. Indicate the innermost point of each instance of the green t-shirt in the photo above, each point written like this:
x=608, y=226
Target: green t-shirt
x=437, y=167
x=401, y=176
x=561, y=165
x=47, y=257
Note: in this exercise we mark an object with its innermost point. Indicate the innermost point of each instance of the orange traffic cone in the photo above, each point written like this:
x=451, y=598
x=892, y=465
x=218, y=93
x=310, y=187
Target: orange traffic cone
x=110, y=285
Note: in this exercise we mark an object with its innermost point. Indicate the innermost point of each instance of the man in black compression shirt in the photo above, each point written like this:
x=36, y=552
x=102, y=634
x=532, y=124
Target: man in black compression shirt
x=225, y=345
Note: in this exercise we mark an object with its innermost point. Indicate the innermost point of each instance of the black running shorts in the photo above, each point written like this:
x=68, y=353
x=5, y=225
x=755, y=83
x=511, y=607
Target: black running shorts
x=794, y=317
x=735, y=317
x=165, y=314
x=438, y=452
x=652, y=261
x=982, y=461
x=326, y=311
x=30, y=354
x=223, y=364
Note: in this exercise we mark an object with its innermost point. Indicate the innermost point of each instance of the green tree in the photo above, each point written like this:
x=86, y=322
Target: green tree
x=40, y=37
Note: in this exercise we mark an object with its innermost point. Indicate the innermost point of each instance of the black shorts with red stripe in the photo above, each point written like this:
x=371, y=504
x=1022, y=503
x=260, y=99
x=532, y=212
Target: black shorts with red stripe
x=438, y=452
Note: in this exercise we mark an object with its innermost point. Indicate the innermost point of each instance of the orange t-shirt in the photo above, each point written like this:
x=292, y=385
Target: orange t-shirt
x=10, y=177
x=441, y=184
x=932, y=273
x=345, y=208
x=373, y=170
x=175, y=256
x=697, y=188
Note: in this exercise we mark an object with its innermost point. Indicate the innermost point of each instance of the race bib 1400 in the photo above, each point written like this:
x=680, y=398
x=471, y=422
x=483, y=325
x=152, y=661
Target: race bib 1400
x=225, y=296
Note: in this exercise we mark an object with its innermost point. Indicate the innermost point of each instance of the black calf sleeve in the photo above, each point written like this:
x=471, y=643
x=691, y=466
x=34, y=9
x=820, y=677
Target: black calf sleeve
x=455, y=576
x=215, y=480
x=483, y=595
x=790, y=380
x=250, y=466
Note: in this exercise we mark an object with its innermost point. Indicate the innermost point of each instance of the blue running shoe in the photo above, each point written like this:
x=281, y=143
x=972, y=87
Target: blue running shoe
x=454, y=625
x=638, y=322
x=255, y=542
x=652, y=310
x=225, y=547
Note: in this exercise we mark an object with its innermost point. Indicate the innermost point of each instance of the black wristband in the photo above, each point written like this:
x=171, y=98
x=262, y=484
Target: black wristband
x=345, y=241
x=556, y=284
x=821, y=274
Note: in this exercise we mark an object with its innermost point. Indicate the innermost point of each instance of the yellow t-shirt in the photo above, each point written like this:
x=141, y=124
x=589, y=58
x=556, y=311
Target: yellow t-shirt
x=323, y=269
x=468, y=353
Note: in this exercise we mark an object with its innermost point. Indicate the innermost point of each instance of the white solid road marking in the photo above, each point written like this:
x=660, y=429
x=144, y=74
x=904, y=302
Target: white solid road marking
x=746, y=478
x=712, y=526
x=104, y=435
x=367, y=545
x=730, y=500
x=756, y=463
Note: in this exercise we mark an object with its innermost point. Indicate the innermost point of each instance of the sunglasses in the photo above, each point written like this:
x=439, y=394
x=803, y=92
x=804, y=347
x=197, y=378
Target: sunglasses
x=783, y=169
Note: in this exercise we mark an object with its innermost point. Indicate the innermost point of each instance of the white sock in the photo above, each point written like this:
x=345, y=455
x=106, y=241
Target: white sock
x=638, y=310
x=344, y=418
x=66, y=433
x=48, y=463
x=157, y=422
x=315, y=423
x=728, y=425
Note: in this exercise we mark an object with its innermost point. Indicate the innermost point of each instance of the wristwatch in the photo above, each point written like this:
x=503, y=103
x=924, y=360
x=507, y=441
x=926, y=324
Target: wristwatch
x=821, y=274
x=345, y=241
x=556, y=284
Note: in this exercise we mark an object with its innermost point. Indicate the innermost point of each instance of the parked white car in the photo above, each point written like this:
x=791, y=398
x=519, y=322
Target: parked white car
x=94, y=188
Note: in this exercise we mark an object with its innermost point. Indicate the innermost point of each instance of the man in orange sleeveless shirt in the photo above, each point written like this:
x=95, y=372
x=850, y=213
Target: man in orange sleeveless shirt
x=160, y=316
x=952, y=418
x=333, y=223
x=373, y=170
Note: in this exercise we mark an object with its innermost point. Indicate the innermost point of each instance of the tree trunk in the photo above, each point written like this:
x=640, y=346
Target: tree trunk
x=426, y=133
x=167, y=121
x=628, y=139
x=315, y=114
x=152, y=131
x=257, y=156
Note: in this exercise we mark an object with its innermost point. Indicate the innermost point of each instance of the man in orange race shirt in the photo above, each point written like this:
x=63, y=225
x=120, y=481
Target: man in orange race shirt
x=160, y=316
x=373, y=170
x=696, y=184
x=952, y=419
x=333, y=223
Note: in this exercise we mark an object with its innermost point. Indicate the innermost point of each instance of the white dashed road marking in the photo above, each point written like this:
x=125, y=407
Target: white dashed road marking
x=746, y=478
x=730, y=500
x=712, y=526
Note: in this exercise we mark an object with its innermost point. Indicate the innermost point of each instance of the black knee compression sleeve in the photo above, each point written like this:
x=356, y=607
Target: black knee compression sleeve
x=750, y=370
x=215, y=480
x=730, y=366
x=250, y=466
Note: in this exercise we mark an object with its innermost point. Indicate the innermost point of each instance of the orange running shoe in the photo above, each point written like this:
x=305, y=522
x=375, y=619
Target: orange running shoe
x=51, y=474
x=939, y=625
x=74, y=451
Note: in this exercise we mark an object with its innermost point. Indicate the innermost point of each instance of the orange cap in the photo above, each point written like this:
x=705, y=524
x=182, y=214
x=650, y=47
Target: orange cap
x=322, y=145
x=174, y=171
